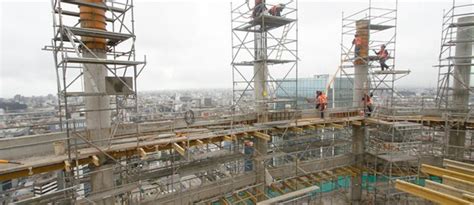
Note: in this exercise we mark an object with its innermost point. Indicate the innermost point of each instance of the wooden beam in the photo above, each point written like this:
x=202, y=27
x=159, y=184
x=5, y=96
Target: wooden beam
x=67, y=166
x=311, y=127
x=296, y=129
x=277, y=188
x=337, y=126
x=227, y=138
x=286, y=184
x=142, y=153
x=457, y=163
x=200, y=142
x=304, y=182
x=460, y=169
x=429, y=194
x=320, y=126
x=459, y=183
x=357, y=123
x=446, y=189
x=262, y=136
x=436, y=171
x=252, y=197
x=95, y=160
x=179, y=149
x=289, y=195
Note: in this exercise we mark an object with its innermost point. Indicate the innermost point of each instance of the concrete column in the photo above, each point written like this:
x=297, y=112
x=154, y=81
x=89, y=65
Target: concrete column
x=261, y=95
x=361, y=68
x=358, y=147
x=462, y=73
x=98, y=122
x=98, y=116
x=461, y=81
x=261, y=75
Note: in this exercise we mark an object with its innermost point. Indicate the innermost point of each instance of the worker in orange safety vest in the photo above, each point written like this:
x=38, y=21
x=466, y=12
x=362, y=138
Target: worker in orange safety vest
x=276, y=10
x=382, y=55
x=357, y=42
x=368, y=103
x=321, y=102
x=259, y=8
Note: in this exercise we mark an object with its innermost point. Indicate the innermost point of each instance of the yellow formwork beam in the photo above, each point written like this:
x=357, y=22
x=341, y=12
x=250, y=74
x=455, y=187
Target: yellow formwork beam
x=311, y=127
x=460, y=169
x=227, y=138
x=358, y=123
x=457, y=163
x=436, y=171
x=179, y=149
x=200, y=142
x=429, y=194
x=95, y=160
x=458, y=183
x=296, y=129
x=142, y=153
x=453, y=191
x=337, y=126
x=262, y=136
x=320, y=126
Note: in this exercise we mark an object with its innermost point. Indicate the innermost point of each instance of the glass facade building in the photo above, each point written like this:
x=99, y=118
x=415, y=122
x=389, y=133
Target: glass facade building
x=339, y=95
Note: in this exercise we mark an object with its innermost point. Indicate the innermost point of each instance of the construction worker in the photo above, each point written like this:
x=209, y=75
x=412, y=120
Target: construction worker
x=259, y=8
x=322, y=102
x=316, y=101
x=367, y=100
x=276, y=10
x=357, y=42
x=382, y=55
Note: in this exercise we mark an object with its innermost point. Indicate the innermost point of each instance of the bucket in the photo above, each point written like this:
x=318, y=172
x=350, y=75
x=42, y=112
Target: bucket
x=59, y=148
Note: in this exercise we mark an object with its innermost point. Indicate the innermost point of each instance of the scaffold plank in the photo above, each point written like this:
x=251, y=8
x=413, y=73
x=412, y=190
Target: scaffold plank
x=95, y=5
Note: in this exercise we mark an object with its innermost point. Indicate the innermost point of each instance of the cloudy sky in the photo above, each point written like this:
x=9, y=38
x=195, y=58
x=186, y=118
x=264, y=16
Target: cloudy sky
x=187, y=43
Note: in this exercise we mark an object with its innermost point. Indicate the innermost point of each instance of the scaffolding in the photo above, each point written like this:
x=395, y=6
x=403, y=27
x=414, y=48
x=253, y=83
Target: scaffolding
x=73, y=55
x=264, y=43
x=454, y=78
x=392, y=147
x=378, y=26
x=448, y=59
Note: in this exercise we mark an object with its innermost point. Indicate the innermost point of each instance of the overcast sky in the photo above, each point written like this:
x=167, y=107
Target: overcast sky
x=187, y=43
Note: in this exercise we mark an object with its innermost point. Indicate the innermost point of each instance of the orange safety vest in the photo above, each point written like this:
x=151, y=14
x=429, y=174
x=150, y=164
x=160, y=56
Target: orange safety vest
x=368, y=100
x=273, y=10
x=358, y=41
x=322, y=99
x=383, y=54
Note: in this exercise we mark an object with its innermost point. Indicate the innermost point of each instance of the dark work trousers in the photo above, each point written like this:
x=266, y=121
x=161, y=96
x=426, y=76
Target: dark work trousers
x=369, y=108
x=322, y=108
x=356, y=51
x=382, y=64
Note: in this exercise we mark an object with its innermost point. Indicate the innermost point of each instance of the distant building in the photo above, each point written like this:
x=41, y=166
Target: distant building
x=339, y=95
x=207, y=102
